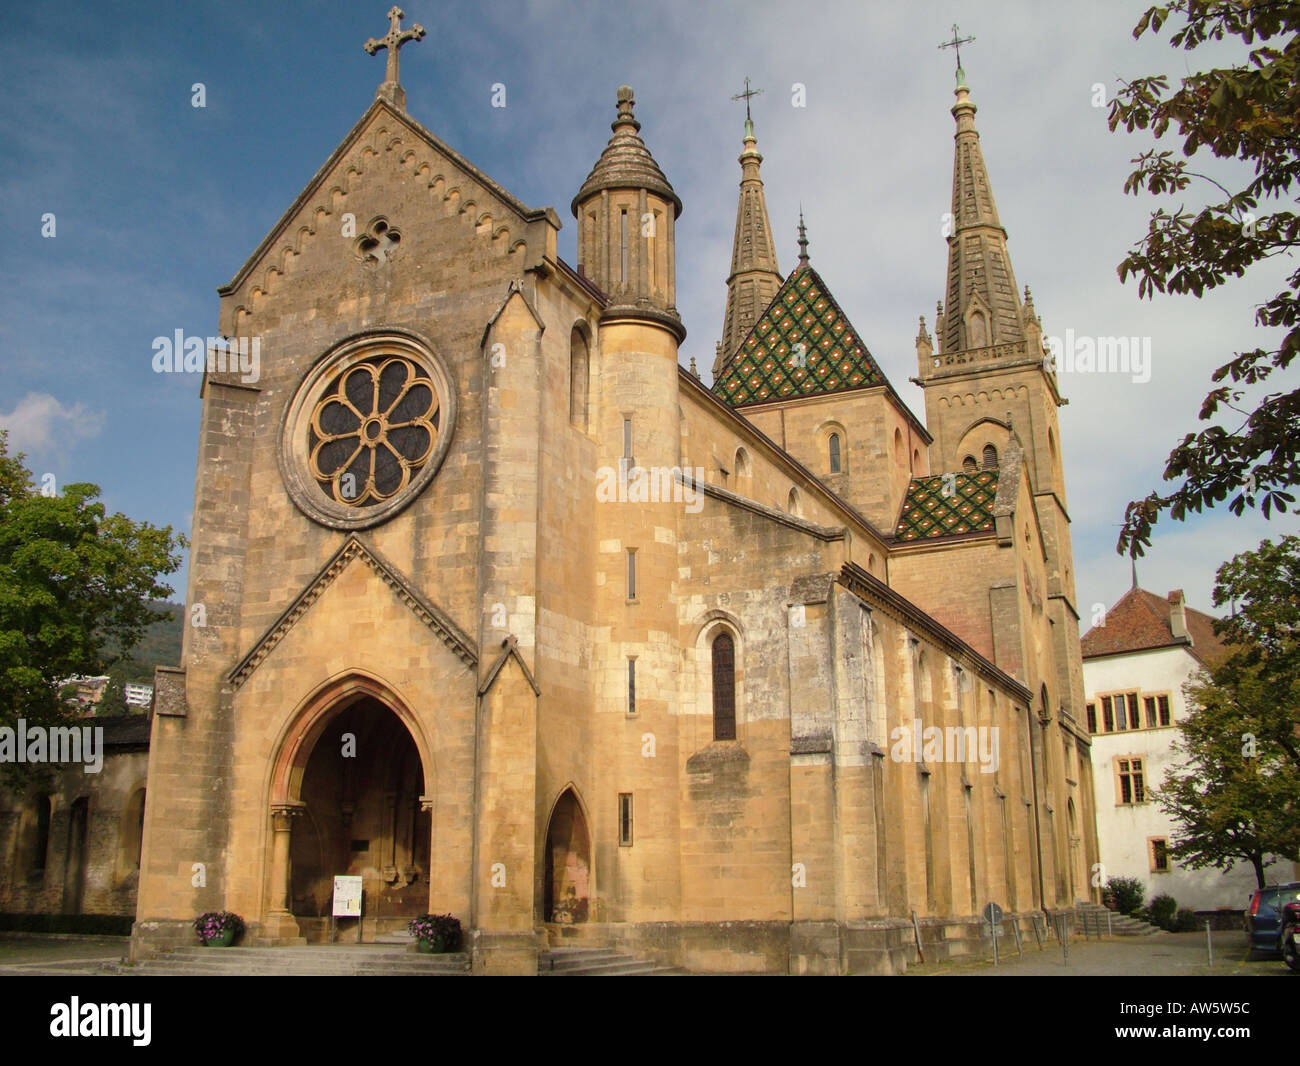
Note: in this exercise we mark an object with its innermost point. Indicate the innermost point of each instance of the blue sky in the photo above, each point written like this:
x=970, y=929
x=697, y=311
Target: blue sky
x=158, y=202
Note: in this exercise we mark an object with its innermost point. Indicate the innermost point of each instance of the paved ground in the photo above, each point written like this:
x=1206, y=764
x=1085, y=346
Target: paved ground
x=28, y=954
x=1165, y=955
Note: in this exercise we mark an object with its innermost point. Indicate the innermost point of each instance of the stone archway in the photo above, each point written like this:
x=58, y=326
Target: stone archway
x=1078, y=867
x=348, y=797
x=567, y=885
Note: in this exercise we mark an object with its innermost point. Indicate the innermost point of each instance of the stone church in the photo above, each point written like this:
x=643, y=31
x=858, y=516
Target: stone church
x=509, y=613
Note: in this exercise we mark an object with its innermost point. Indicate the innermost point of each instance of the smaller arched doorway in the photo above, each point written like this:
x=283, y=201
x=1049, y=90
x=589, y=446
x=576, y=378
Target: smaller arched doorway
x=567, y=887
x=1079, y=888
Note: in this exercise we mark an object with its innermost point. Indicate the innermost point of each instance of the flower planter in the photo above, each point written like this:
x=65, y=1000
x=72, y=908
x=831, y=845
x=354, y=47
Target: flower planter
x=218, y=929
x=435, y=933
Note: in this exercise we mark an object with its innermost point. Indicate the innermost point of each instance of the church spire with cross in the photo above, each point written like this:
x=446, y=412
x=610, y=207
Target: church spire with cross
x=391, y=88
x=991, y=399
x=982, y=301
x=755, y=275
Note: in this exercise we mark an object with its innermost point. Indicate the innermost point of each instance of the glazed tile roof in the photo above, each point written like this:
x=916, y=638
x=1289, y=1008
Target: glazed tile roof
x=966, y=507
x=1140, y=621
x=766, y=365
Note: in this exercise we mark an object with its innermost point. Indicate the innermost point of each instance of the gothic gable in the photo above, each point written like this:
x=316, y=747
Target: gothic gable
x=385, y=148
x=353, y=550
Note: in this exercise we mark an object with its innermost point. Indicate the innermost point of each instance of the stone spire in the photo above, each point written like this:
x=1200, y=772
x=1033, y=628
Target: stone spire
x=755, y=276
x=982, y=301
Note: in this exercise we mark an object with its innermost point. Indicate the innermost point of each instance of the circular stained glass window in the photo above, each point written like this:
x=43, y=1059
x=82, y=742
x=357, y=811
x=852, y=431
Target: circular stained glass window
x=374, y=426
x=366, y=430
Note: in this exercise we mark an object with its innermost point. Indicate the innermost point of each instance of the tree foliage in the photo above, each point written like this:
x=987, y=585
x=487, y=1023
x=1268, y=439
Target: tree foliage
x=1248, y=112
x=1262, y=588
x=75, y=587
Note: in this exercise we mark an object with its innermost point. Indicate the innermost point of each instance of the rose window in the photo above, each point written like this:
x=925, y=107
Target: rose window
x=373, y=428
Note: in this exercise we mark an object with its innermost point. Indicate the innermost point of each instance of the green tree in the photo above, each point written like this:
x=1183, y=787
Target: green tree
x=75, y=587
x=1249, y=112
x=1262, y=631
x=112, y=702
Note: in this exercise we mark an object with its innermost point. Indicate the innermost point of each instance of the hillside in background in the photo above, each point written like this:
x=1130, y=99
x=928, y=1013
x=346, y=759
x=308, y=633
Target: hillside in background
x=160, y=645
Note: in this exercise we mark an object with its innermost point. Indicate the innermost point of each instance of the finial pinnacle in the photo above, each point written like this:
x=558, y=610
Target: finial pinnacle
x=803, y=239
x=626, y=103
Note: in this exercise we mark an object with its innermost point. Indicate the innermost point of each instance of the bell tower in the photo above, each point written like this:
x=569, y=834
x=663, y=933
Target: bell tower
x=985, y=372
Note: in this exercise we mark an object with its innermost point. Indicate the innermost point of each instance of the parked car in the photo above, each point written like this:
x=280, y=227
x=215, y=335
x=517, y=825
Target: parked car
x=1263, y=916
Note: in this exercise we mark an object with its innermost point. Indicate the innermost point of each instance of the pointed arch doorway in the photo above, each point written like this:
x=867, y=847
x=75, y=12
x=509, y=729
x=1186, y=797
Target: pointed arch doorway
x=349, y=798
x=567, y=884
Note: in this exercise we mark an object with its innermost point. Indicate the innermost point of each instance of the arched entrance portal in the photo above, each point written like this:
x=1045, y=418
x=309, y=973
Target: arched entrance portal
x=356, y=790
x=568, y=862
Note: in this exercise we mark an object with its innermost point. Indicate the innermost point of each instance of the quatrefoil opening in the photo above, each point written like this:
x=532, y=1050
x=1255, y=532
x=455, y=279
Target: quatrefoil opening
x=379, y=243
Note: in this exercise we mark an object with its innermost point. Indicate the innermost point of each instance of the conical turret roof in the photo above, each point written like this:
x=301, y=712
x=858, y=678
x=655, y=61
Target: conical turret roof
x=626, y=163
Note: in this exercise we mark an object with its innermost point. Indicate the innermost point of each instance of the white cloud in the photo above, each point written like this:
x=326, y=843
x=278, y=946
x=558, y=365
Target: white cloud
x=40, y=424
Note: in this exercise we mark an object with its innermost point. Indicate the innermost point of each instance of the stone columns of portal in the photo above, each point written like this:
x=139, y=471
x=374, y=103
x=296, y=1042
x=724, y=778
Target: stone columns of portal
x=282, y=815
x=426, y=807
x=279, y=927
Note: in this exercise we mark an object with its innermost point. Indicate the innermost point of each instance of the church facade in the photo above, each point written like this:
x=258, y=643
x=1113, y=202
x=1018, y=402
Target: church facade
x=510, y=614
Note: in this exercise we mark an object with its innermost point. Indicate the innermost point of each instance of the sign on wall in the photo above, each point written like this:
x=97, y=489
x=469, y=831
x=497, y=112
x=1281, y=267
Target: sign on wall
x=347, y=897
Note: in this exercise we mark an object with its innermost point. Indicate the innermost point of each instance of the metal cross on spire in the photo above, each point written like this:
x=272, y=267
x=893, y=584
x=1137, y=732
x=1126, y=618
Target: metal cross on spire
x=394, y=41
x=956, y=43
x=746, y=95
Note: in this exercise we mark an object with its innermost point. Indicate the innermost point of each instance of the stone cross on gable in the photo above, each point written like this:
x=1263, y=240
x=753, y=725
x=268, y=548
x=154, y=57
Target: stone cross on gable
x=391, y=88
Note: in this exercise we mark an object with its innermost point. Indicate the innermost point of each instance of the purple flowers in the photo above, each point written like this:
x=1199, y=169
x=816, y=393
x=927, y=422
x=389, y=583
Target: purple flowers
x=213, y=925
x=441, y=930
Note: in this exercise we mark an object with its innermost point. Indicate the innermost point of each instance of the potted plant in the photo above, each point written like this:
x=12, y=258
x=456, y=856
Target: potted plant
x=435, y=933
x=218, y=929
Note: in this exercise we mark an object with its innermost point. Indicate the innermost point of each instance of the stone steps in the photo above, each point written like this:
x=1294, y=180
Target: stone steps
x=364, y=960
x=1120, y=924
x=599, y=962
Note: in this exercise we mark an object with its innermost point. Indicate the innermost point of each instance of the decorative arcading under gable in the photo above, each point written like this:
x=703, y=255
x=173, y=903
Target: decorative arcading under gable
x=458, y=199
x=450, y=634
